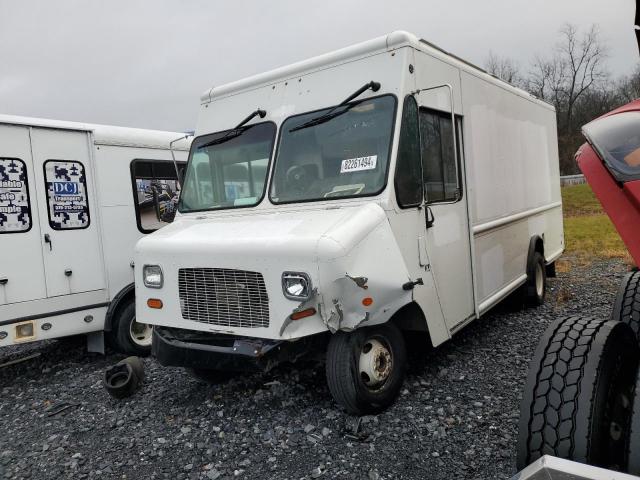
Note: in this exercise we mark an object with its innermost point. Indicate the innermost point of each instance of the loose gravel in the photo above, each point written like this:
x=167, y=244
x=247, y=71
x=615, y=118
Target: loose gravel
x=456, y=417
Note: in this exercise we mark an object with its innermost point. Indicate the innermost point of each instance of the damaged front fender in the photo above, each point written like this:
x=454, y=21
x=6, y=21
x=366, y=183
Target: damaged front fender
x=364, y=285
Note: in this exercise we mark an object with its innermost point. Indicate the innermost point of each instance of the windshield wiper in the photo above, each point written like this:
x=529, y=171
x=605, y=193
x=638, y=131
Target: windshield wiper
x=325, y=117
x=235, y=131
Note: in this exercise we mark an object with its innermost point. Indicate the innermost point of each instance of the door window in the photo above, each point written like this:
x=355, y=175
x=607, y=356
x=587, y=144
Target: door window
x=156, y=190
x=408, y=177
x=15, y=210
x=441, y=179
x=67, y=200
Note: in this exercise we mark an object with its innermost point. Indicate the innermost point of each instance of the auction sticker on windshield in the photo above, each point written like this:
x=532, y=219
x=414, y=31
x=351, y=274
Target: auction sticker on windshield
x=358, y=164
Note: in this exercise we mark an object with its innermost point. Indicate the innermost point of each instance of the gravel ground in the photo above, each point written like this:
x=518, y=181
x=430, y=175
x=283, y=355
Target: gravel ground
x=456, y=418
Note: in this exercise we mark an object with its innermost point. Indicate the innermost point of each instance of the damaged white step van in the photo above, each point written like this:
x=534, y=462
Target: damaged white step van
x=348, y=200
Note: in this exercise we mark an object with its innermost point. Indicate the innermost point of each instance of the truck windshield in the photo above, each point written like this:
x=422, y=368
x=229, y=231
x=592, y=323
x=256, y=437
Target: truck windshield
x=228, y=169
x=346, y=156
x=616, y=138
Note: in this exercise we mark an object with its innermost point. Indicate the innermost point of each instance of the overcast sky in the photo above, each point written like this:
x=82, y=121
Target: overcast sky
x=146, y=63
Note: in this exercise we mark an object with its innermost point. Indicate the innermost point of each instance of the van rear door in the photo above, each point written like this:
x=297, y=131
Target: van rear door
x=21, y=263
x=70, y=240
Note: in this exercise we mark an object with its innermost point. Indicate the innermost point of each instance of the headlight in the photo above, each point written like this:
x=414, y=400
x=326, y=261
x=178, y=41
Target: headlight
x=152, y=276
x=296, y=285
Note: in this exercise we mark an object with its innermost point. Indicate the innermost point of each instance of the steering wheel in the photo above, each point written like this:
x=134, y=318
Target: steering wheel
x=297, y=177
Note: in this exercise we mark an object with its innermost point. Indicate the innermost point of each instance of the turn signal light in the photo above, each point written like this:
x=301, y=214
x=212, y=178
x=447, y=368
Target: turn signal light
x=367, y=301
x=303, y=314
x=154, y=303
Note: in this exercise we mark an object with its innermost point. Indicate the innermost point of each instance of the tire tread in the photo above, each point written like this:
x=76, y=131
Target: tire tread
x=555, y=418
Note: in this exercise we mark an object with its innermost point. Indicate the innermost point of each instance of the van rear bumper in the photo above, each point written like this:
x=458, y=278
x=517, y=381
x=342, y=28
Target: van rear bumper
x=174, y=347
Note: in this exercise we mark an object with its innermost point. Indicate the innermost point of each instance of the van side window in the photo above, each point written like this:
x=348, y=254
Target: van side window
x=441, y=178
x=408, y=177
x=15, y=210
x=155, y=192
x=67, y=199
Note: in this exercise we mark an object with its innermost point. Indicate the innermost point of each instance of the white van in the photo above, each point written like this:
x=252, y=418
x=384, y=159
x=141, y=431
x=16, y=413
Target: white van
x=383, y=187
x=74, y=199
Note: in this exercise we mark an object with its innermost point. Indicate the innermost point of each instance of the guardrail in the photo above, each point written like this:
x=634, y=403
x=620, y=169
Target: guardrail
x=572, y=180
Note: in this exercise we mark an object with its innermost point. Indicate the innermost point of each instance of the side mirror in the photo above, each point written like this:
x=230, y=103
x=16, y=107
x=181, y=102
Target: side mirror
x=429, y=218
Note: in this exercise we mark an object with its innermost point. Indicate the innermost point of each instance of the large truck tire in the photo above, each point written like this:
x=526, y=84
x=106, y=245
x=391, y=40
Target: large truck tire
x=365, y=368
x=634, y=437
x=577, y=399
x=128, y=336
x=535, y=287
x=627, y=305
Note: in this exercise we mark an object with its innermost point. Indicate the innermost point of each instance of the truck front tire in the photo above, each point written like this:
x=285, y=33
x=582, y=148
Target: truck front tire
x=129, y=336
x=577, y=399
x=365, y=368
x=627, y=305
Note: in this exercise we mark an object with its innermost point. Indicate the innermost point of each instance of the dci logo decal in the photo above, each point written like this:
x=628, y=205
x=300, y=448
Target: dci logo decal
x=65, y=188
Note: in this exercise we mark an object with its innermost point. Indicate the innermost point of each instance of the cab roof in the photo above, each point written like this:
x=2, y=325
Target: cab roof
x=107, y=134
x=386, y=43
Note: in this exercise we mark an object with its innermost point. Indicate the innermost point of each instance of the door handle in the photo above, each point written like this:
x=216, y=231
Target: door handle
x=47, y=239
x=429, y=218
x=4, y=281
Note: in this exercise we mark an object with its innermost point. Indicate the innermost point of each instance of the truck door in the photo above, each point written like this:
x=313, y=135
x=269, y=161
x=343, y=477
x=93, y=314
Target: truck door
x=21, y=263
x=447, y=239
x=70, y=241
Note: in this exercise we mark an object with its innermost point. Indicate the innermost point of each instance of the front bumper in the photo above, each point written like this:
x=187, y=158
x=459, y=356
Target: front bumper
x=174, y=347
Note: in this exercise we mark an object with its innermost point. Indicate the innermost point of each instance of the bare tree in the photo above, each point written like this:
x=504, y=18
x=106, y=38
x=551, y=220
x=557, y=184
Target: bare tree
x=628, y=87
x=584, y=59
x=576, y=66
x=504, y=68
x=574, y=75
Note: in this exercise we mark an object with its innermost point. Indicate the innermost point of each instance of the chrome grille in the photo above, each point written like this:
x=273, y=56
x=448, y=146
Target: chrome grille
x=225, y=297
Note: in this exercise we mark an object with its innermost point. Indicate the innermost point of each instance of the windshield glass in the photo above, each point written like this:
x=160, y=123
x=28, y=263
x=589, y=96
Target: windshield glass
x=346, y=156
x=616, y=138
x=228, y=169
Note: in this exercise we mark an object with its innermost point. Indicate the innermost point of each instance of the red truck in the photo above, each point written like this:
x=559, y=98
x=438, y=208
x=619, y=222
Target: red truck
x=582, y=397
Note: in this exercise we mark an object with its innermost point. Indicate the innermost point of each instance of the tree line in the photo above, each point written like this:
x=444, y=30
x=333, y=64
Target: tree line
x=573, y=77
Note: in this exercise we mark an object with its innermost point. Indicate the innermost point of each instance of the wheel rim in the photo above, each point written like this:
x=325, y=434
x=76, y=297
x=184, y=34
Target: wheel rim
x=140, y=333
x=539, y=280
x=375, y=363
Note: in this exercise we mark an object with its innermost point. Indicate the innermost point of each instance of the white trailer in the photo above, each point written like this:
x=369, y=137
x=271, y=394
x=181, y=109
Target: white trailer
x=74, y=199
x=425, y=197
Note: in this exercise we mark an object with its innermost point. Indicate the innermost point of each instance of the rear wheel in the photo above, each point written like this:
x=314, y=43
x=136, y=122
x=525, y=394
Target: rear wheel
x=129, y=336
x=577, y=398
x=551, y=270
x=627, y=305
x=365, y=368
x=535, y=287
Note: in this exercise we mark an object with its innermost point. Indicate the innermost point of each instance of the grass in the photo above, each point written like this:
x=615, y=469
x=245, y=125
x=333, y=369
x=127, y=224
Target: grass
x=589, y=234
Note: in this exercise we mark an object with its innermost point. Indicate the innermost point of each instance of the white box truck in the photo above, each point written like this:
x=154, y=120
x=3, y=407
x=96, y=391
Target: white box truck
x=74, y=199
x=385, y=187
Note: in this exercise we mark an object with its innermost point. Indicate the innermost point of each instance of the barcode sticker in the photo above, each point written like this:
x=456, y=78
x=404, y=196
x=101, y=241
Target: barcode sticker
x=358, y=164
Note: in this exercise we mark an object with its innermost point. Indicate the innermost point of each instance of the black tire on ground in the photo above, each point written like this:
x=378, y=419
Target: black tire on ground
x=128, y=336
x=211, y=377
x=634, y=437
x=124, y=378
x=576, y=402
x=627, y=305
x=535, y=287
x=365, y=368
x=551, y=270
